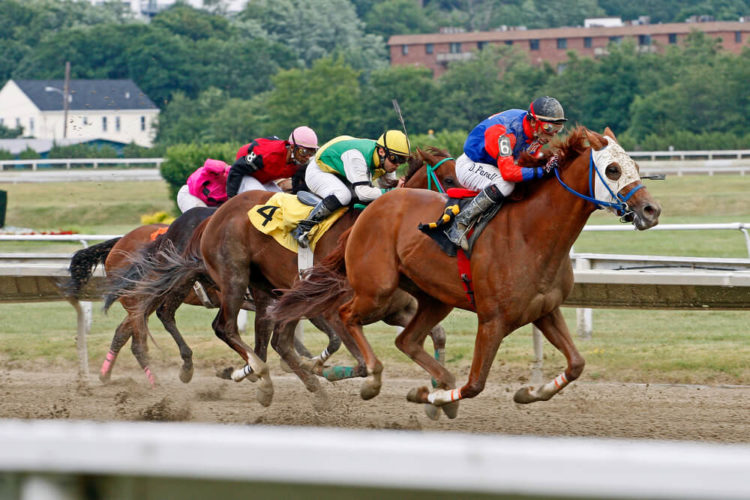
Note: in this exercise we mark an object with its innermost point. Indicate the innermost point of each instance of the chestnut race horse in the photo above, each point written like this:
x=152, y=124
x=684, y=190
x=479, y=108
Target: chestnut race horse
x=520, y=264
x=235, y=255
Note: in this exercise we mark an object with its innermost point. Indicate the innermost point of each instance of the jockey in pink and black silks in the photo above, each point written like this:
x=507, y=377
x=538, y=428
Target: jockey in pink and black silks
x=489, y=163
x=265, y=160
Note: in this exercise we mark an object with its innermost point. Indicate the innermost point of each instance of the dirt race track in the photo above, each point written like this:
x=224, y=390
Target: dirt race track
x=617, y=410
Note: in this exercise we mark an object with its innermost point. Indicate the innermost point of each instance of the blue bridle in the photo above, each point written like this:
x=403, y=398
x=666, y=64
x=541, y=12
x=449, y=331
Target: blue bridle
x=621, y=206
x=432, y=176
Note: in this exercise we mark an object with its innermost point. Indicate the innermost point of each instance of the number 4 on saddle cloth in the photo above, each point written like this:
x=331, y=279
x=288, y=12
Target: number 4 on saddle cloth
x=280, y=215
x=457, y=199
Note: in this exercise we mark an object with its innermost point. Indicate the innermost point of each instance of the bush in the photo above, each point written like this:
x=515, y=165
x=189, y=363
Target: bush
x=82, y=151
x=133, y=150
x=182, y=160
x=29, y=154
x=452, y=141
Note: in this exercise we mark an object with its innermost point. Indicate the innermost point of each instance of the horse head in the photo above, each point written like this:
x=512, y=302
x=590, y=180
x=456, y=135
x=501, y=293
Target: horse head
x=614, y=181
x=433, y=169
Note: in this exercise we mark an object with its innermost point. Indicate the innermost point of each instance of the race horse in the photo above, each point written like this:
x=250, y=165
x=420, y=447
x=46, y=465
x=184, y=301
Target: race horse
x=115, y=254
x=235, y=255
x=520, y=266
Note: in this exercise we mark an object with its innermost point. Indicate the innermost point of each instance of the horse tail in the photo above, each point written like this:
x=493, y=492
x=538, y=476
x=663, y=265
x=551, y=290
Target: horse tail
x=82, y=266
x=157, y=271
x=321, y=290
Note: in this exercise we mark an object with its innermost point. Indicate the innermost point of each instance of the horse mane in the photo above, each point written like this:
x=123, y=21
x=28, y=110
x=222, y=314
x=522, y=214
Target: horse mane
x=415, y=164
x=570, y=147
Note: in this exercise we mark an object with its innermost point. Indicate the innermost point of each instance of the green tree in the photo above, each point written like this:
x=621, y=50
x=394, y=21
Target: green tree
x=10, y=133
x=398, y=17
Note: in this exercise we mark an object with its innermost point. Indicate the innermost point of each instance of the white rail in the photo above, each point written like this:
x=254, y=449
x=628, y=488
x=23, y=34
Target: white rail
x=82, y=162
x=291, y=458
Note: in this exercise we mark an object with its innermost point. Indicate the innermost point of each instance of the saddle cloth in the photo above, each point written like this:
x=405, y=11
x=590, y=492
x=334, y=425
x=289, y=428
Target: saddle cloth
x=280, y=215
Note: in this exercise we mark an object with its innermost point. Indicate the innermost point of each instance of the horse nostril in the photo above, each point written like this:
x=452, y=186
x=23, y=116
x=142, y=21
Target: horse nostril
x=652, y=211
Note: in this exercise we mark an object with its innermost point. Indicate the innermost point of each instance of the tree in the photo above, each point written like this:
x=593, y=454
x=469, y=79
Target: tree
x=398, y=17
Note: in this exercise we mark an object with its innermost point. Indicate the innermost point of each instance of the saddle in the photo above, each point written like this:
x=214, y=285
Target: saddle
x=457, y=199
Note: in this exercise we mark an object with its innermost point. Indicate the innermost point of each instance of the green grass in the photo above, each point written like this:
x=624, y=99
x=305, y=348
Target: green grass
x=707, y=347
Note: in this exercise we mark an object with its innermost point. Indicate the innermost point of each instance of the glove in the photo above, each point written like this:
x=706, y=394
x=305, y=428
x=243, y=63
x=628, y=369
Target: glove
x=552, y=163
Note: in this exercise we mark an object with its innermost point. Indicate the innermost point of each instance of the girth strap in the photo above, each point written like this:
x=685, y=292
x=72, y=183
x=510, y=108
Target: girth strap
x=464, y=272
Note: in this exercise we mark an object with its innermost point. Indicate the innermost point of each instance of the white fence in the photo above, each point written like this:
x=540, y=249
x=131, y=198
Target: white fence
x=83, y=163
x=65, y=460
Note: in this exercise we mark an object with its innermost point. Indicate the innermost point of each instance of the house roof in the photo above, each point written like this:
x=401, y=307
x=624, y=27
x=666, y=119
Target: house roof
x=87, y=95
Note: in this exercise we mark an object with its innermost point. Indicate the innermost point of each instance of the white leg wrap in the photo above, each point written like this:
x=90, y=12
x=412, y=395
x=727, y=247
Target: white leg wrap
x=241, y=373
x=441, y=396
x=551, y=388
x=323, y=356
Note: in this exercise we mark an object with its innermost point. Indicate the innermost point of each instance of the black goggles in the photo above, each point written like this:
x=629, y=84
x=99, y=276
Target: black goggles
x=397, y=159
x=303, y=151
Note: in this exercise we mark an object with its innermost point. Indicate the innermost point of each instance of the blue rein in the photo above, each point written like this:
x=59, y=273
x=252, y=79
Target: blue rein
x=431, y=175
x=620, y=207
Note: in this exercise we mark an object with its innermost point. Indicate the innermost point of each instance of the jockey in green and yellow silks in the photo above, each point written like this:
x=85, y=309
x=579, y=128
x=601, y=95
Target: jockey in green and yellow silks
x=344, y=170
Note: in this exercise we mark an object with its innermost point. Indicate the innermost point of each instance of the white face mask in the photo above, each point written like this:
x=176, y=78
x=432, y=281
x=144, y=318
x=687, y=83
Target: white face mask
x=613, y=153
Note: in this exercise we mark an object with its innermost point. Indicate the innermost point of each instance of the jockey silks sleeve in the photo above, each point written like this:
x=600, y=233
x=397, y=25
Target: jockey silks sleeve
x=358, y=174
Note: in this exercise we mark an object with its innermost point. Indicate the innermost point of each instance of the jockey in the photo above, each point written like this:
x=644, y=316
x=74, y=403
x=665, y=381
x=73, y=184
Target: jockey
x=206, y=187
x=491, y=152
x=265, y=160
x=345, y=167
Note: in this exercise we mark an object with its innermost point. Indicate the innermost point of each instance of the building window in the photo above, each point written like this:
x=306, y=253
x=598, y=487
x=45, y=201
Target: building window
x=85, y=120
x=587, y=43
x=673, y=38
x=117, y=123
x=534, y=44
x=429, y=48
x=615, y=39
x=737, y=37
x=455, y=48
x=508, y=42
x=18, y=122
x=644, y=39
x=143, y=123
x=481, y=45
x=31, y=126
x=104, y=123
x=2, y=121
x=562, y=43
x=404, y=50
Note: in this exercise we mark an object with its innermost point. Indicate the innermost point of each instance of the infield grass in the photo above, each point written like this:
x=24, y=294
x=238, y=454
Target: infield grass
x=704, y=347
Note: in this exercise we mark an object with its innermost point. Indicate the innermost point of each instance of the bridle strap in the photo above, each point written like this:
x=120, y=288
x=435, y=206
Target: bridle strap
x=431, y=175
x=620, y=206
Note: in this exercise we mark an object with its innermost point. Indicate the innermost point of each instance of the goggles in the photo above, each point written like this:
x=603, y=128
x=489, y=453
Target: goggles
x=397, y=159
x=550, y=127
x=303, y=151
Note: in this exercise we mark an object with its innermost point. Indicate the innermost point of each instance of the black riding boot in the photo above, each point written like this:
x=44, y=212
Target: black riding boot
x=322, y=210
x=482, y=202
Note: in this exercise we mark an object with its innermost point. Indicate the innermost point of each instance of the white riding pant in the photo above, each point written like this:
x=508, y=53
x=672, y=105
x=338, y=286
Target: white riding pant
x=186, y=201
x=325, y=184
x=478, y=176
x=250, y=183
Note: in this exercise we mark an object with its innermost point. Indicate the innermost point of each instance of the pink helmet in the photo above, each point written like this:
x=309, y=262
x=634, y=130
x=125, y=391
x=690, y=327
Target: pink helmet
x=305, y=137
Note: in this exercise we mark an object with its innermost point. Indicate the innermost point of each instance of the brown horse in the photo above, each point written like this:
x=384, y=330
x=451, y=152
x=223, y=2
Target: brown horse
x=235, y=255
x=115, y=254
x=520, y=265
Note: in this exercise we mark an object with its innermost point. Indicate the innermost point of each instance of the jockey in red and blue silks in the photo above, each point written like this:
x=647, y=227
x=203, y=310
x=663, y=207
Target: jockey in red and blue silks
x=491, y=152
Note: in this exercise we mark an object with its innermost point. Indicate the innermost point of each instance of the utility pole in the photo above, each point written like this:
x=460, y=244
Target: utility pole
x=66, y=94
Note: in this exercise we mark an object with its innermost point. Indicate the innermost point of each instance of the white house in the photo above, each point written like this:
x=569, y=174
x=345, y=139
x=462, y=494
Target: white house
x=111, y=110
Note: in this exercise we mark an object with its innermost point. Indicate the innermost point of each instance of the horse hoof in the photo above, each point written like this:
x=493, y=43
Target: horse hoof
x=186, y=374
x=418, y=395
x=321, y=402
x=369, y=389
x=225, y=374
x=524, y=396
x=264, y=392
x=104, y=377
x=450, y=410
x=253, y=377
x=432, y=412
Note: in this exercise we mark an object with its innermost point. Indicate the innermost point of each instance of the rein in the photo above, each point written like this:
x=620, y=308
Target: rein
x=620, y=207
x=431, y=175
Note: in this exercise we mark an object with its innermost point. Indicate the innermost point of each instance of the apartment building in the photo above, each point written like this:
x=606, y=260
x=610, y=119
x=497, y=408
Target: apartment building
x=437, y=50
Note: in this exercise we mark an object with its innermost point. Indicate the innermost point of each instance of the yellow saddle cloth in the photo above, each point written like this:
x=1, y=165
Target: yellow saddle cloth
x=280, y=215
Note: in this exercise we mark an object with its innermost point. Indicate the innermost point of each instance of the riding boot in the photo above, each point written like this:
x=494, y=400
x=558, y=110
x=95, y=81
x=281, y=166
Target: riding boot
x=322, y=210
x=487, y=198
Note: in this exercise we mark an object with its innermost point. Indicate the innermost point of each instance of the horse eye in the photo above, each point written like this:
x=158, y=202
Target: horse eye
x=613, y=171
x=449, y=180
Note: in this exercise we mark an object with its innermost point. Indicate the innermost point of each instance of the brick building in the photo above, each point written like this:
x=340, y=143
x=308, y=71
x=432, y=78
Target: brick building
x=436, y=50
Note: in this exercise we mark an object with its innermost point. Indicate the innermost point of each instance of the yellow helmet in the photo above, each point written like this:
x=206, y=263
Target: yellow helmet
x=395, y=142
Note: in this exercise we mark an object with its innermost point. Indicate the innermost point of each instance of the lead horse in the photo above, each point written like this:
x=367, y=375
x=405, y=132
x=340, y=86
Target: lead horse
x=520, y=264
x=235, y=255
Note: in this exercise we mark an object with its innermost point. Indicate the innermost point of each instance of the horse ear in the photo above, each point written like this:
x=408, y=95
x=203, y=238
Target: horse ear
x=608, y=132
x=597, y=141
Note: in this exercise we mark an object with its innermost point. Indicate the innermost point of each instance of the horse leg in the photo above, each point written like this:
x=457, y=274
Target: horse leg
x=139, y=344
x=225, y=327
x=556, y=331
x=166, y=312
x=336, y=335
x=122, y=334
x=283, y=343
